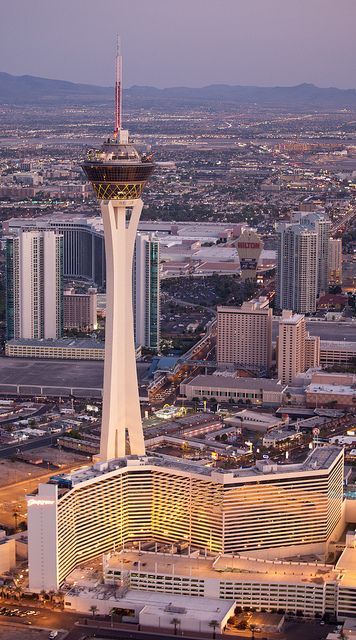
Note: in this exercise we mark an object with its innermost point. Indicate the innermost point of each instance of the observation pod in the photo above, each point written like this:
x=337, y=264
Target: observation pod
x=118, y=174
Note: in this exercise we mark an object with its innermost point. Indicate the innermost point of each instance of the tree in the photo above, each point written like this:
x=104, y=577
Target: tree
x=16, y=518
x=18, y=592
x=213, y=624
x=51, y=595
x=93, y=608
x=42, y=595
x=176, y=622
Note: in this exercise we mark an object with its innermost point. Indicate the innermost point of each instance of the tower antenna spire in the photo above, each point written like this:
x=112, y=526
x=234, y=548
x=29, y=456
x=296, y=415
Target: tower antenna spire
x=118, y=90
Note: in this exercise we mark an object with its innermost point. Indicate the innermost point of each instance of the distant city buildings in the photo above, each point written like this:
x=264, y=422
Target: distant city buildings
x=80, y=309
x=244, y=334
x=335, y=261
x=34, y=285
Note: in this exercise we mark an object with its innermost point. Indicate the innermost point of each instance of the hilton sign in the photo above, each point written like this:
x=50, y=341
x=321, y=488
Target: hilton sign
x=248, y=245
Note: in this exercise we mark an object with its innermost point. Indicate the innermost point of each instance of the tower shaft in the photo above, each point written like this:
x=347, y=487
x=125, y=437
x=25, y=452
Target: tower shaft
x=121, y=406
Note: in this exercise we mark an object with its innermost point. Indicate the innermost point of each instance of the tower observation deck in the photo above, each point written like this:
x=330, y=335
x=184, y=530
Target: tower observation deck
x=118, y=173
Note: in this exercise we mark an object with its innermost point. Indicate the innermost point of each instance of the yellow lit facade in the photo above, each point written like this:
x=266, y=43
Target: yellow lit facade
x=251, y=510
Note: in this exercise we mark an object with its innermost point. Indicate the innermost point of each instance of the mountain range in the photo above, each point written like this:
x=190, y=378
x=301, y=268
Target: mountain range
x=21, y=90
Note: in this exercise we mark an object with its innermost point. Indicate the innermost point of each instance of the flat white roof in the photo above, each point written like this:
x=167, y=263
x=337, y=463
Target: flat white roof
x=338, y=389
x=225, y=567
x=250, y=384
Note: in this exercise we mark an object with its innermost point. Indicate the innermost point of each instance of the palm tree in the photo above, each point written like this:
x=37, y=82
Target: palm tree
x=42, y=595
x=213, y=624
x=176, y=622
x=60, y=597
x=16, y=518
x=51, y=595
x=93, y=609
x=18, y=592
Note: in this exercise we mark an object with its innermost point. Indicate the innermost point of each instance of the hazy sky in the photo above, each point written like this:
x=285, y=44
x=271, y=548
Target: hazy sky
x=182, y=42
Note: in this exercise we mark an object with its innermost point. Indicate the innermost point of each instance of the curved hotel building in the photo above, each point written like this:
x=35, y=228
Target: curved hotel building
x=289, y=510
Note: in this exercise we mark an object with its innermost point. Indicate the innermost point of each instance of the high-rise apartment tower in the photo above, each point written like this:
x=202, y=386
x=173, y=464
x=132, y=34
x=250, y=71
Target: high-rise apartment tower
x=297, y=268
x=320, y=223
x=34, y=284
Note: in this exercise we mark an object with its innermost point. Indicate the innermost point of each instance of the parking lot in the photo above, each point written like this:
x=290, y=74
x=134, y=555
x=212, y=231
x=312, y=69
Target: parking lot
x=17, y=622
x=17, y=632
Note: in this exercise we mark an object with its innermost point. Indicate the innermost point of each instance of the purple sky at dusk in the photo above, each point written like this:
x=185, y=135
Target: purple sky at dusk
x=182, y=42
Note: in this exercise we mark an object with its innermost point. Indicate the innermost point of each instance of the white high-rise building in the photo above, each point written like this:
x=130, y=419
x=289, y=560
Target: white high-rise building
x=34, y=282
x=335, y=260
x=297, y=268
x=146, y=291
x=320, y=223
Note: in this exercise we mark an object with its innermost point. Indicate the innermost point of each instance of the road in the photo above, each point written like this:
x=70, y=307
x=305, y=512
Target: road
x=12, y=497
x=45, y=617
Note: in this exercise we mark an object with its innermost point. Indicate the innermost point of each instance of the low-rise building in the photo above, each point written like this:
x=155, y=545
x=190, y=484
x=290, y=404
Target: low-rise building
x=255, y=420
x=225, y=389
x=277, y=437
x=321, y=395
x=146, y=581
x=61, y=349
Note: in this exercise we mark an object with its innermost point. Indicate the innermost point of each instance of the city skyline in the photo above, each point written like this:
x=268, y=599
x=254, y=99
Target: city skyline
x=248, y=48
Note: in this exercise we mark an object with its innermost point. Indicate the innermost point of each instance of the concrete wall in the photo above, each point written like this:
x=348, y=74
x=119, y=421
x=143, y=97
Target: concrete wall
x=7, y=555
x=350, y=511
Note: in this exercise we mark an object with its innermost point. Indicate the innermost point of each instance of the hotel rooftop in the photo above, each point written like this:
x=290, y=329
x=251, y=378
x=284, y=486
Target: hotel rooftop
x=320, y=458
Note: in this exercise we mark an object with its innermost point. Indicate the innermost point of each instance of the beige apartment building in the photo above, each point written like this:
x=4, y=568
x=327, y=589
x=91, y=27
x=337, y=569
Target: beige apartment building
x=244, y=334
x=296, y=350
x=291, y=346
x=312, y=351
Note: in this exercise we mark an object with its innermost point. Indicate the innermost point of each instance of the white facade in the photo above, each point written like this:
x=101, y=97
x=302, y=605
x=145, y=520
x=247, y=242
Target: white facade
x=320, y=223
x=43, y=538
x=34, y=285
x=121, y=405
x=297, y=268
